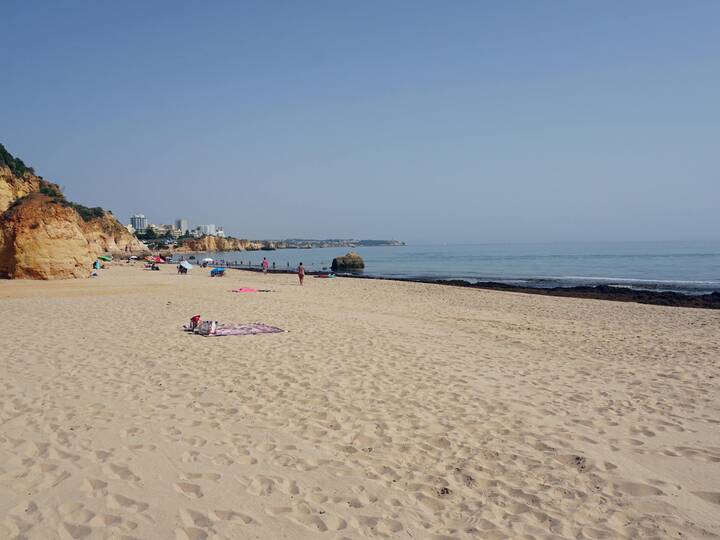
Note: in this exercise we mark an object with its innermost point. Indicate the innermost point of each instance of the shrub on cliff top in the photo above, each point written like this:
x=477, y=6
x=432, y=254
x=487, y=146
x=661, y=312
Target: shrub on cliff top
x=57, y=197
x=88, y=214
x=16, y=165
x=51, y=191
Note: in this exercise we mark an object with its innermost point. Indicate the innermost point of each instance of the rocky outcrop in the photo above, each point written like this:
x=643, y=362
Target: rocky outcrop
x=40, y=240
x=14, y=187
x=215, y=243
x=44, y=236
x=350, y=261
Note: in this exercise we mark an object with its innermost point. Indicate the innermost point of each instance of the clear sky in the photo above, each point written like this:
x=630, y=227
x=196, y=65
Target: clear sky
x=423, y=121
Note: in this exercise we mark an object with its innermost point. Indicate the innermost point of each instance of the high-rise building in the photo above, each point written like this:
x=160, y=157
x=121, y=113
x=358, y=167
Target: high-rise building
x=208, y=230
x=139, y=223
x=182, y=224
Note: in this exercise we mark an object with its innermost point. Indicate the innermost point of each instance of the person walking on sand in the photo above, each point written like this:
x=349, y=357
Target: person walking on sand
x=265, y=265
x=301, y=273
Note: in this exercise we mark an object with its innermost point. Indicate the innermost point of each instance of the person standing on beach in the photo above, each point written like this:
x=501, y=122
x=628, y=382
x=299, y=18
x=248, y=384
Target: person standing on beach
x=301, y=273
x=265, y=265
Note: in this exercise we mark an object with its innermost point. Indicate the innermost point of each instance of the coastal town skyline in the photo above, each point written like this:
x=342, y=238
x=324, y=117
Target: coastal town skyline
x=181, y=228
x=139, y=223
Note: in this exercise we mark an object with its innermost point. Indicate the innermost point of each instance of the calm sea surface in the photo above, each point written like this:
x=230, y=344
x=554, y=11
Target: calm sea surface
x=690, y=267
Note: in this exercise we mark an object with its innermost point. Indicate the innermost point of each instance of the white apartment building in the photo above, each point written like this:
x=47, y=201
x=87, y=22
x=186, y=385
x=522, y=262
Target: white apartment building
x=183, y=225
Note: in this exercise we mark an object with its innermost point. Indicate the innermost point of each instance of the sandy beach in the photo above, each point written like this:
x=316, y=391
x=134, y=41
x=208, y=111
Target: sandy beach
x=384, y=410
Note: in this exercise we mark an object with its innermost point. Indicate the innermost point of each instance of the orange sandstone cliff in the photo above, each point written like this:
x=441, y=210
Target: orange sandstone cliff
x=215, y=243
x=14, y=186
x=44, y=236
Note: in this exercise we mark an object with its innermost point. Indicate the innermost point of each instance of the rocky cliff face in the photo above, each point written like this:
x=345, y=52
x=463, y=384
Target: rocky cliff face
x=44, y=236
x=40, y=240
x=107, y=235
x=13, y=187
x=214, y=243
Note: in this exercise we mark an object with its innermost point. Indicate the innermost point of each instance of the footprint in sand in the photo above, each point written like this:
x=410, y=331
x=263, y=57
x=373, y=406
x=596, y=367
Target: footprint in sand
x=94, y=487
x=636, y=489
x=223, y=460
x=74, y=531
x=261, y=485
x=229, y=515
x=121, y=472
x=125, y=503
x=193, y=518
x=189, y=490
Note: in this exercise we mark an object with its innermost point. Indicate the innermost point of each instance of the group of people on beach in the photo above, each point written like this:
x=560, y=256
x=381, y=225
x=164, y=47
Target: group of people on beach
x=300, y=269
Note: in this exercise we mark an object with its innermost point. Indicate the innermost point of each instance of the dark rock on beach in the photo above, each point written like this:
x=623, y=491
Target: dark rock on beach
x=351, y=261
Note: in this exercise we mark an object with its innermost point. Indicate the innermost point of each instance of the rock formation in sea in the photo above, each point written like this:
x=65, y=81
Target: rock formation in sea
x=350, y=261
x=216, y=243
x=45, y=236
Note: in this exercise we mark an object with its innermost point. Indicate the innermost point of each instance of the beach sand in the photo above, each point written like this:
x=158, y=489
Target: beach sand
x=385, y=410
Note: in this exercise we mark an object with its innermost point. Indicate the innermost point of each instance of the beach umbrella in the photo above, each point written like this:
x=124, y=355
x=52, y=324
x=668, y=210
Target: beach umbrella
x=208, y=260
x=186, y=265
x=133, y=256
x=106, y=258
x=157, y=259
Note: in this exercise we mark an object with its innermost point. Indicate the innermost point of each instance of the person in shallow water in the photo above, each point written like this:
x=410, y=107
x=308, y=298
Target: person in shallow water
x=301, y=273
x=265, y=265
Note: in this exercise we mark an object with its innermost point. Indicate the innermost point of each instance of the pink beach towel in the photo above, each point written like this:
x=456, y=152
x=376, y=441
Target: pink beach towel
x=245, y=329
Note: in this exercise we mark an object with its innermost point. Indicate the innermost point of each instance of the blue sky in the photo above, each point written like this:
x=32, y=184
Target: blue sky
x=423, y=121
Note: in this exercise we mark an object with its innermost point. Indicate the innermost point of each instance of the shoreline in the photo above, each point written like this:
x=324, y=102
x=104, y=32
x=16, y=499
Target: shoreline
x=596, y=292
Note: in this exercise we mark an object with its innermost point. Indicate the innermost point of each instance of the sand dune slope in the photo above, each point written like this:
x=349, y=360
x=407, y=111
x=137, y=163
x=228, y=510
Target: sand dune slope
x=386, y=410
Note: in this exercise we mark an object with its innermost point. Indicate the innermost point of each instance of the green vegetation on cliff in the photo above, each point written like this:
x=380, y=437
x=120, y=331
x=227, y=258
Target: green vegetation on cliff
x=57, y=197
x=16, y=165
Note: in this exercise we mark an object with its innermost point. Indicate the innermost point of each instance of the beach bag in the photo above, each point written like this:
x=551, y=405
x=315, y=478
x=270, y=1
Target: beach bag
x=207, y=328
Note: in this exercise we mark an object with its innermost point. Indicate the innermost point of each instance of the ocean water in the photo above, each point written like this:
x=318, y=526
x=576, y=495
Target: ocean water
x=689, y=267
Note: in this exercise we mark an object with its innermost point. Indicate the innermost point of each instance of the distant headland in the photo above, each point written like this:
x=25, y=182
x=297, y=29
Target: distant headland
x=298, y=243
x=228, y=243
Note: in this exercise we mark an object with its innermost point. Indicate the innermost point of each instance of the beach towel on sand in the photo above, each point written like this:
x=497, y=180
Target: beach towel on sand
x=245, y=329
x=250, y=289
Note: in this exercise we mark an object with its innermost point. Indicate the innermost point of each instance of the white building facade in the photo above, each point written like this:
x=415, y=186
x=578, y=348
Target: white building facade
x=183, y=225
x=139, y=222
x=208, y=230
